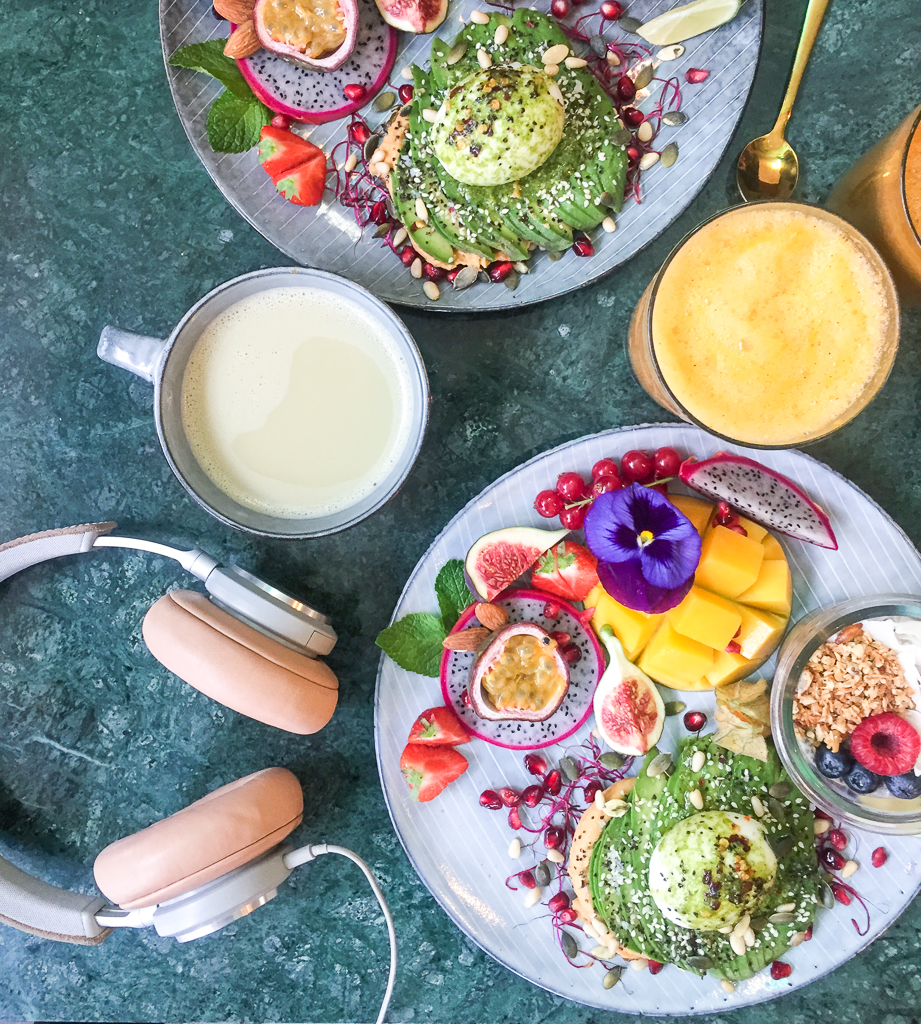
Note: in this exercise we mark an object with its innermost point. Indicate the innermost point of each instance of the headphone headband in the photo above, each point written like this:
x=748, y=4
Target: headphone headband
x=23, y=552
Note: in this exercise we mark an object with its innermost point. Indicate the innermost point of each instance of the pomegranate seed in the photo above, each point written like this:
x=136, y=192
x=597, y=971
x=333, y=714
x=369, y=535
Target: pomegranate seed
x=837, y=838
x=736, y=528
x=831, y=859
x=626, y=90
x=535, y=764
x=354, y=92
x=605, y=467
x=465, y=697
x=490, y=798
x=451, y=275
x=694, y=721
x=281, y=121
x=514, y=819
x=559, y=8
x=573, y=518
x=582, y=246
x=880, y=857
x=696, y=75
x=655, y=966
x=547, y=503
x=558, y=902
x=532, y=796
x=733, y=648
x=724, y=514
x=590, y=790
x=406, y=93
x=611, y=10
x=568, y=916
x=560, y=636
x=808, y=934
x=553, y=782
x=824, y=815
x=633, y=154
x=553, y=838
x=552, y=612
x=510, y=797
x=605, y=484
x=527, y=879
x=841, y=894
x=571, y=653
x=780, y=970
x=432, y=273
x=359, y=133
x=407, y=255
x=499, y=271
x=632, y=117
x=379, y=212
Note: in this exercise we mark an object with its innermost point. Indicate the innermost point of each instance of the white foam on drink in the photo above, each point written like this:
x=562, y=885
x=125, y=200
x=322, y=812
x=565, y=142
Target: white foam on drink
x=296, y=403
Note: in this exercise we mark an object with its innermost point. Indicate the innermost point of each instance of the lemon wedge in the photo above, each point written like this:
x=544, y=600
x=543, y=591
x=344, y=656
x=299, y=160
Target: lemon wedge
x=689, y=20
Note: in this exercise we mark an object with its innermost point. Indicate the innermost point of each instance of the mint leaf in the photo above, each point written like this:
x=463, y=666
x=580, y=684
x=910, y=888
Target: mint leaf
x=452, y=592
x=235, y=124
x=414, y=643
x=209, y=58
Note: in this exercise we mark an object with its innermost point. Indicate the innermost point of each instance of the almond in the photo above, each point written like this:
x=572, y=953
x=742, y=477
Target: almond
x=491, y=615
x=466, y=639
x=242, y=41
x=236, y=11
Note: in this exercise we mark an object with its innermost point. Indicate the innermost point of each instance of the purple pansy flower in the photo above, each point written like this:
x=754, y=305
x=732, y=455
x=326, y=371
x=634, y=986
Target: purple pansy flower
x=647, y=550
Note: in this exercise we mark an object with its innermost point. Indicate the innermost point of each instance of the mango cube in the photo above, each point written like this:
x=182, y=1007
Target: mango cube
x=760, y=632
x=772, y=549
x=707, y=618
x=727, y=668
x=632, y=628
x=754, y=530
x=729, y=562
x=696, y=509
x=673, y=657
x=773, y=590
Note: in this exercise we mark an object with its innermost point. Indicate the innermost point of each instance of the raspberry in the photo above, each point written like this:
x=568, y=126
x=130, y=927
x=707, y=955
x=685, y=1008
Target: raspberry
x=886, y=744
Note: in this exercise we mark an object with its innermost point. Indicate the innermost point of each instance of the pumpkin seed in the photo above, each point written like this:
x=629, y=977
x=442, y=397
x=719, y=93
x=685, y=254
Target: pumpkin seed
x=406, y=110
x=481, y=276
x=599, y=46
x=542, y=871
x=644, y=77
x=758, y=924
x=611, y=760
x=675, y=118
x=782, y=845
x=623, y=137
x=455, y=53
x=568, y=765
x=782, y=918
x=391, y=209
x=385, y=101
x=570, y=947
x=554, y=255
x=382, y=230
x=371, y=145
x=606, y=199
x=629, y=24
x=826, y=896
x=661, y=764
x=511, y=282
x=776, y=809
x=699, y=963
x=780, y=790
x=675, y=707
x=467, y=276
x=669, y=155
x=612, y=977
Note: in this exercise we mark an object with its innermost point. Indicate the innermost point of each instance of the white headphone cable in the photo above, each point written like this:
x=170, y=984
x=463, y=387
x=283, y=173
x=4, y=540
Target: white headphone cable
x=308, y=853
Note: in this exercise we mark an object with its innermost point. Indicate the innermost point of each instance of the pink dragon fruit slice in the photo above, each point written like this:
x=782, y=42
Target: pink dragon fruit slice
x=316, y=97
x=268, y=30
x=761, y=494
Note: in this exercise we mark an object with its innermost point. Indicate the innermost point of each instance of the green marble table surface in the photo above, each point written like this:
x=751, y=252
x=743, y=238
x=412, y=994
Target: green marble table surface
x=108, y=217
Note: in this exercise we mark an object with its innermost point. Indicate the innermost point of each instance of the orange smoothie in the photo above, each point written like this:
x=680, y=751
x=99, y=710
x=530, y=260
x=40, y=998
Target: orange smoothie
x=771, y=322
x=913, y=181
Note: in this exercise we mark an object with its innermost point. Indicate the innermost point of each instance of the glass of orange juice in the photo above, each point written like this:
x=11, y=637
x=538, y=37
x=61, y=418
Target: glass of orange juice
x=771, y=324
x=881, y=195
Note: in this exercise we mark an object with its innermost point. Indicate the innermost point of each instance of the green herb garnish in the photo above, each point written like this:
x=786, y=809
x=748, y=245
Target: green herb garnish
x=236, y=117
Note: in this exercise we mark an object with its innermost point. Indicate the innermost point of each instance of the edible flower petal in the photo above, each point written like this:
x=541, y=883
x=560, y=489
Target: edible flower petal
x=647, y=549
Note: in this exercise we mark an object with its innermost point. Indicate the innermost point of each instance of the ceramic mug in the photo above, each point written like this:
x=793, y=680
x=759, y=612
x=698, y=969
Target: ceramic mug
x=163, y=363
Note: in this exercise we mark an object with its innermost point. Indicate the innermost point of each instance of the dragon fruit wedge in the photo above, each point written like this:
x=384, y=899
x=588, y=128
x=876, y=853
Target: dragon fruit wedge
x=761, y=494
x=320, y=96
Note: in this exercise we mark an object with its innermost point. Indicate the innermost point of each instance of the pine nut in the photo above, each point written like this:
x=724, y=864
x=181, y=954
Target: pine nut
x=501, y=35
x=554, y=54
x=797, y=938
x=555, y=92
x=351, y=163
x=514, y=848
x=727, y=929
x=785, y=908
x=479, y=18
x=589, y=930
x=671, y=52
x=534, y=895
x=430, y=115
x=742, y=925
x=758, y=806
x=577, y=62
x=749, y=937
x=555, y=857
x=644, y=134
x=820, y=826
x=551, y=69
x=613, y=59
x=421, y=209
x=416, y=268
x=700, y=758
x=380, y=170
x=485, y=61
x=727, y=985
x=600, y=951
x=738, y=944
x=407, y=73
x=639, y=965
x=849, y=868
x=647, y=160
x=609, y=225
x=400, y=237
x=431, y=291
x=697, y=799
x=599, y=799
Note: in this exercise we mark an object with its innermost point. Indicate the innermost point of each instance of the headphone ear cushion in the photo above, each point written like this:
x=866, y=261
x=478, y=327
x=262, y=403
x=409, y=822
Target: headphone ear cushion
x=227, y=828
x=238, y=666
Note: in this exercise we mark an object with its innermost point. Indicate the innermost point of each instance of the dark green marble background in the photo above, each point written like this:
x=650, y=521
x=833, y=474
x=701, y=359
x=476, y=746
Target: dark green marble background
x=108, y=217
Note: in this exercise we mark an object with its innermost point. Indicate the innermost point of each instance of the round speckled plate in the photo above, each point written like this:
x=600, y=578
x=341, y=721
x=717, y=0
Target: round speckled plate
x=460, y=849
x=328, y=237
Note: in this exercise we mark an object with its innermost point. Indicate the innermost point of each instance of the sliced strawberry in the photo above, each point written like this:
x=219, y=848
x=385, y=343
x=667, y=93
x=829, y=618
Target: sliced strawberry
x=438, y=727
x=280, y=150
x=428, y=769
x=567, y=570
x=886, y=744
x=303, y=185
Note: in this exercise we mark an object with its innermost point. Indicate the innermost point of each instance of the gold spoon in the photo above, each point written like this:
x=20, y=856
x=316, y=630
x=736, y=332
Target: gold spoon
x=768, y=167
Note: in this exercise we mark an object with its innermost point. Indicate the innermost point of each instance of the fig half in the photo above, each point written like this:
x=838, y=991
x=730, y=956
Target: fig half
x=417, y=16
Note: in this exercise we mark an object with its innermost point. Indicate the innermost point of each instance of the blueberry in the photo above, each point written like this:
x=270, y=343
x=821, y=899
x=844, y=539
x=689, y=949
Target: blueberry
x=832, y=764
x=905, y=787
x=862, y=780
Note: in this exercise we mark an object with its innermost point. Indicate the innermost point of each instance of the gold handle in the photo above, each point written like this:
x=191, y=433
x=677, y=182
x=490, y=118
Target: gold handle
x=815, y=12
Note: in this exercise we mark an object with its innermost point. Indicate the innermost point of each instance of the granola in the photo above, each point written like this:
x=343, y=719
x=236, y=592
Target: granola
x=845, y=681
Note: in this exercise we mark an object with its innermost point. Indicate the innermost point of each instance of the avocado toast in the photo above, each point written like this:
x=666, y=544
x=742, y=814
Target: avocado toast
x=459, y=107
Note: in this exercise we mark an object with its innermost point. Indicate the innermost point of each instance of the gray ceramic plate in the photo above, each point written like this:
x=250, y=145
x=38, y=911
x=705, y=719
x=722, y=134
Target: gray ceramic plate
x=328, y=237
